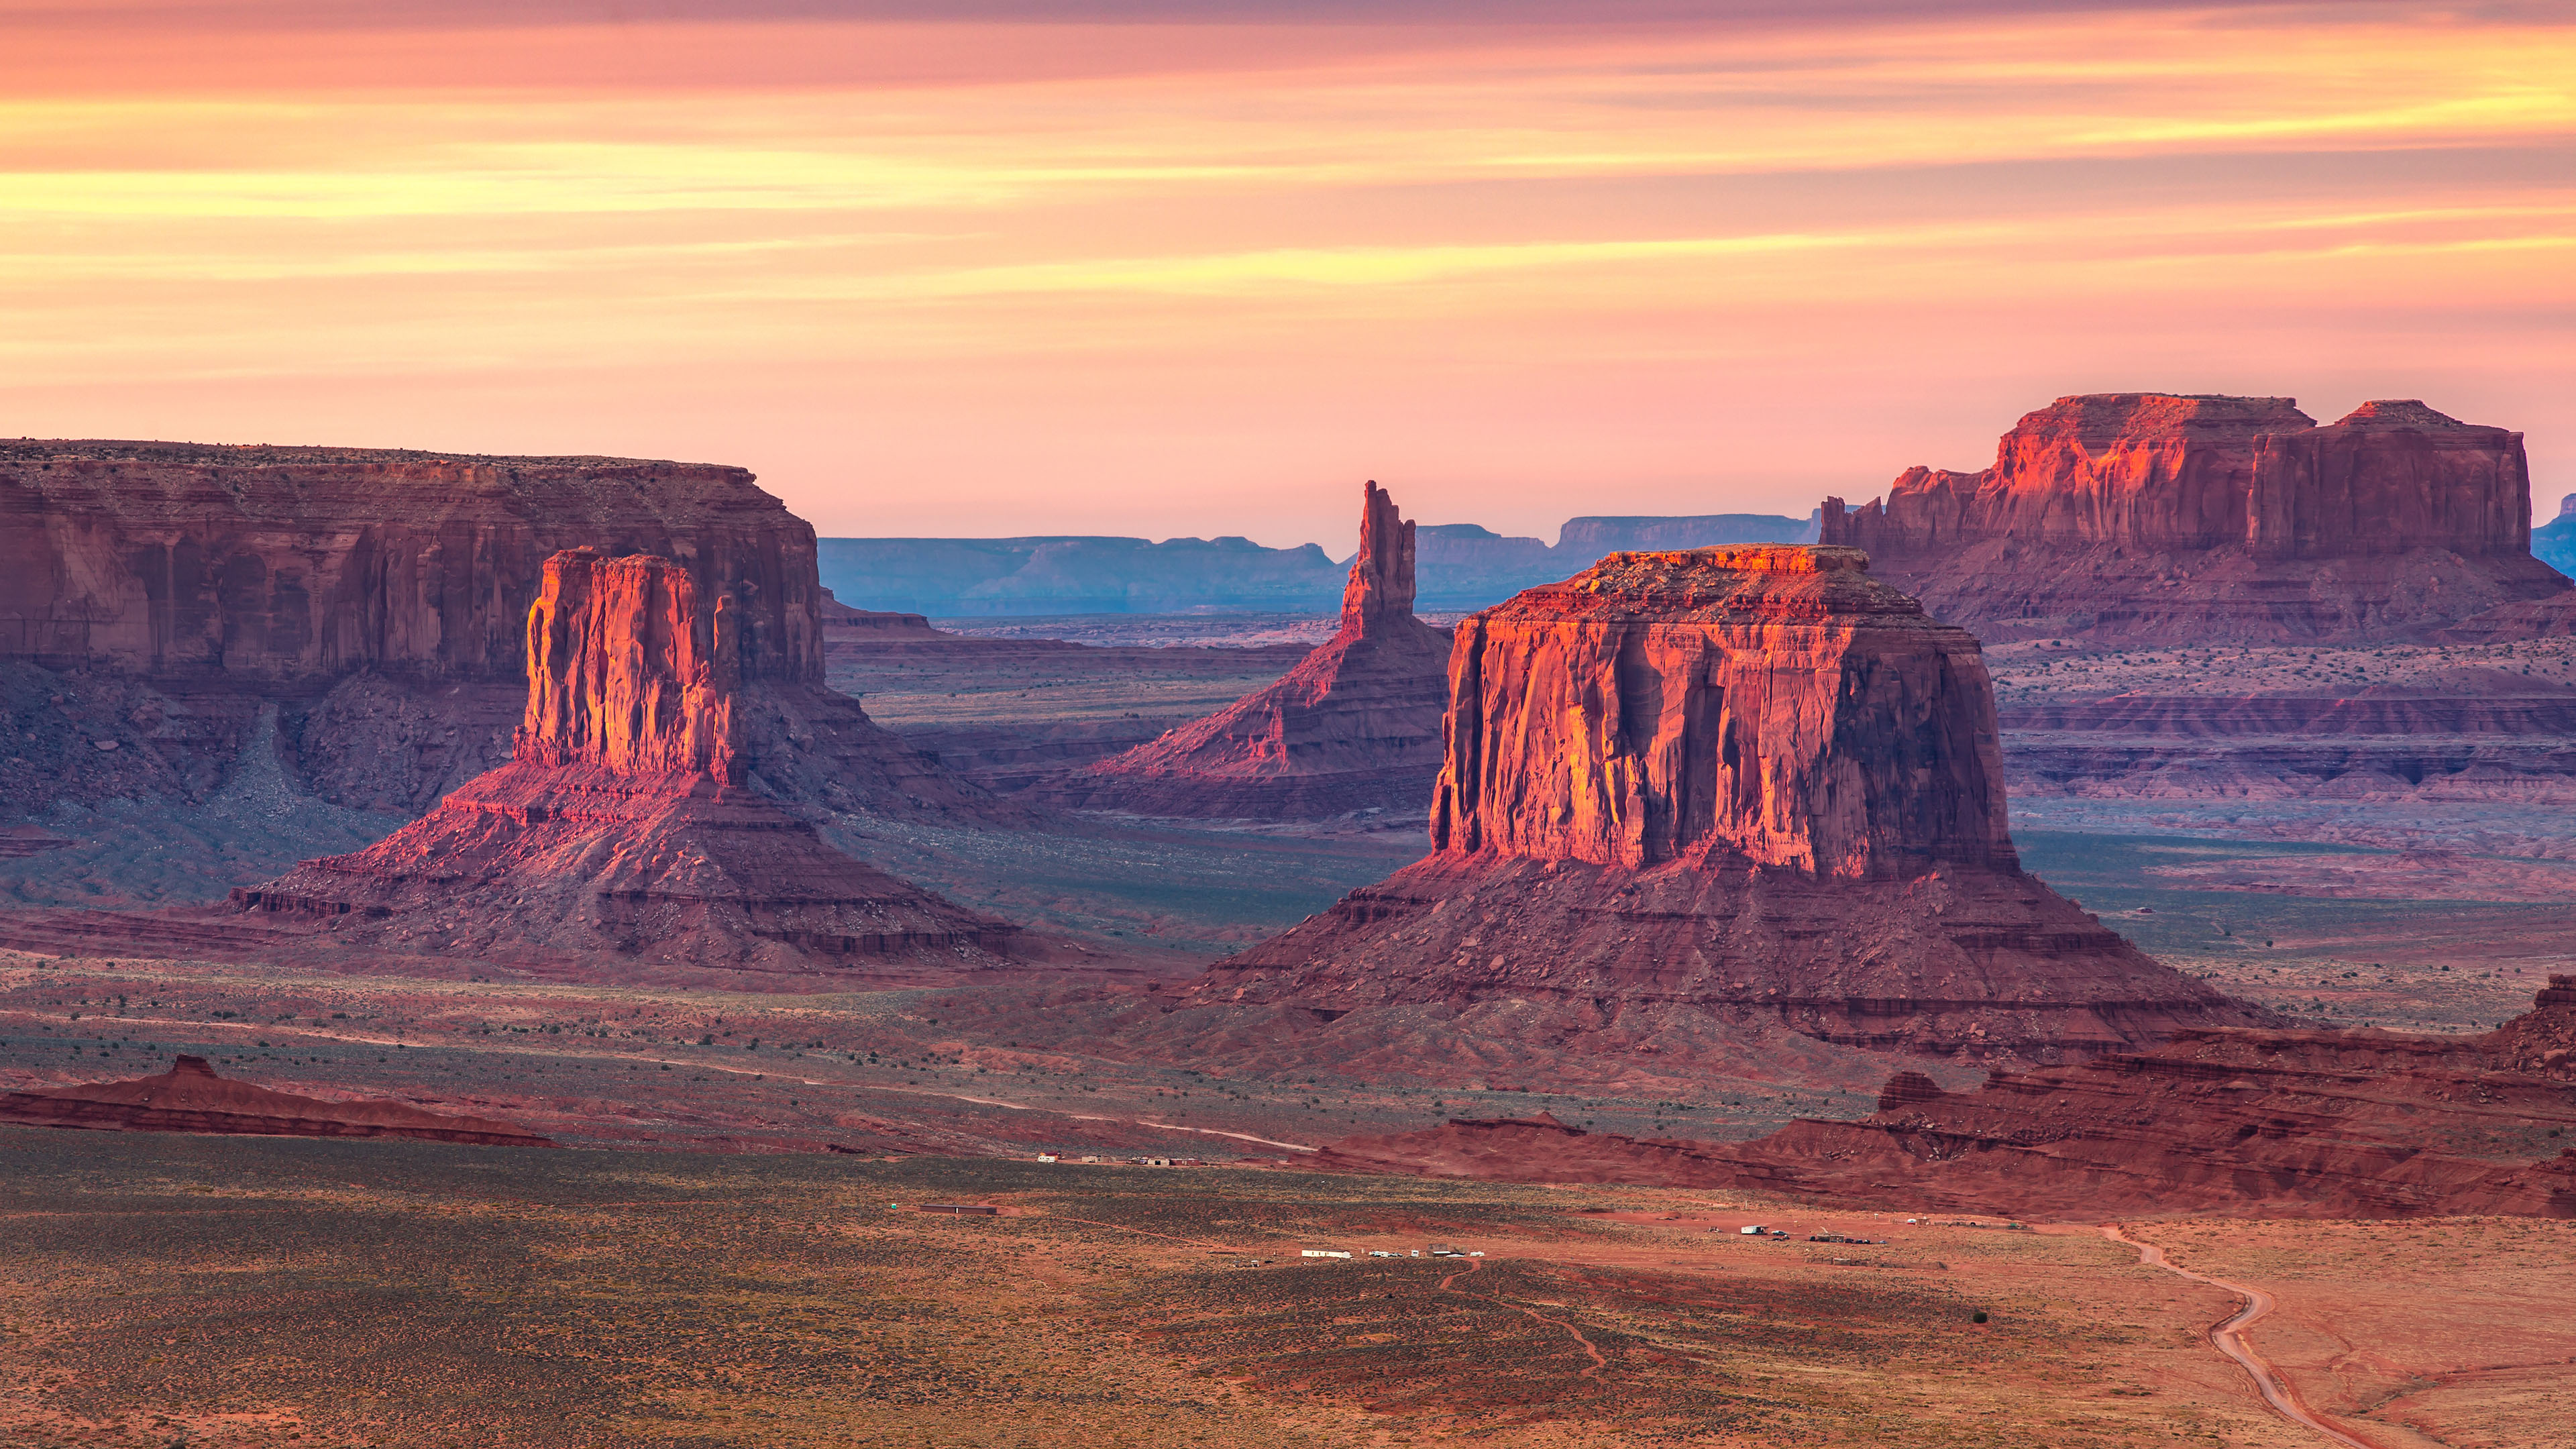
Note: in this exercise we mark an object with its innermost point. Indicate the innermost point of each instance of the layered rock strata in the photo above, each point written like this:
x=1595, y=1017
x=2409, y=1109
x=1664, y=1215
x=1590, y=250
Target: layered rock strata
x=190, y=1097
x=377, y=598
x=2335, y=1124
x=1353, y=728
x=1698, y=794
x=2155, y=518
x=622, y=826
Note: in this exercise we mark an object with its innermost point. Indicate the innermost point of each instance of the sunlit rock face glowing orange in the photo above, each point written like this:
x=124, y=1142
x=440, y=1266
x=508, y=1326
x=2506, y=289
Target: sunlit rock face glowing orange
x=620, y=838
x=1692, y=801
x=1769, y=702
x=2163, y=519
x=628, y=671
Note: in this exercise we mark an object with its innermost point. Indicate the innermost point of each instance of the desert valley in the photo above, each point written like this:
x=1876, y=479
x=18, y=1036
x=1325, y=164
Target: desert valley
x=1910, y=985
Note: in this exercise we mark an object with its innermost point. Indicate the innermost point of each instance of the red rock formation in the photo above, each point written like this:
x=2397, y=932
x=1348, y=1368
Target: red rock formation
x=2259, y=1123
x=1699, y=794
x=1354, y=727
x=626, y=669
x=620, y=828
x=379, y=600
x=1764, y=701
x=191, y=1098
x=2155, y=518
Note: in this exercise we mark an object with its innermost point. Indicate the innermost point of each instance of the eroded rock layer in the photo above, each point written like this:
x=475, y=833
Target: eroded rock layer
x=622, y=827
x=2271, y=1123
x=1354, y=727
x=163, y=595
x=1736, y=788
x=2158, y=518
x=190, y=1097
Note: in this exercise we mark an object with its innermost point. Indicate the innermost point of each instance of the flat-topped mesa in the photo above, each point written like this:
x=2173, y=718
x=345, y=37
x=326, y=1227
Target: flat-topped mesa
x=377, y=602
x=2391, y=476
x=1354, y=727
x=1381, y=586
x=627, y=671
x=1690, y=801
x=2198, y=519
x=296, y=564
x=1770, y=702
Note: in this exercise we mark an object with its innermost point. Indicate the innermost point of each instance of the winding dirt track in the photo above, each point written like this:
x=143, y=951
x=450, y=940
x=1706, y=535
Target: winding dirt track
x=1598, y=1362
x=2229, y=1338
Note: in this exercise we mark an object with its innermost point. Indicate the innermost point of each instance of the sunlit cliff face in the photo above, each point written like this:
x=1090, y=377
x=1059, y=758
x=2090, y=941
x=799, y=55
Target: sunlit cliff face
x=1159, y=274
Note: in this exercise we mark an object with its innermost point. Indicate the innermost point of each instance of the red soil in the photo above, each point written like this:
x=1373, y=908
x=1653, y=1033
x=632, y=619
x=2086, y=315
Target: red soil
x=191, y=1098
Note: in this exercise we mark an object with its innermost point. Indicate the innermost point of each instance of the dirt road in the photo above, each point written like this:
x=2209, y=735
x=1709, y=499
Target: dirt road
x=2229, y=1338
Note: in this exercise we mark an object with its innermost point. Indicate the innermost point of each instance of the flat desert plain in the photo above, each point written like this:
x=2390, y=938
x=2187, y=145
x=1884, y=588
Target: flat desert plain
x=240, y=1292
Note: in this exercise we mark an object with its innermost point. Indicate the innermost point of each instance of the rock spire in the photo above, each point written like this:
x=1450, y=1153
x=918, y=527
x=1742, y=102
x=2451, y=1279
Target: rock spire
x=1381, y=586
x=1355, y=727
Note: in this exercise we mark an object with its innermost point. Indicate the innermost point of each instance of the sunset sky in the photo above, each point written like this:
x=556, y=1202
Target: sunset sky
x=1004, y=266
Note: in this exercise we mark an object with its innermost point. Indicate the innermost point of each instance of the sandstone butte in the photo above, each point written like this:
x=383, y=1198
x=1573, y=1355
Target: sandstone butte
x=191, y=1098
x=621, y=830
x=2155, y=519
x=1687, y=797
x=158, y=599
x=1354, y=727
x=2269, y=1123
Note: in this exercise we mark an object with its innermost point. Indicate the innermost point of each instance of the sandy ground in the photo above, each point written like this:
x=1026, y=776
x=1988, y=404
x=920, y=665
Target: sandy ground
x=261, y=1292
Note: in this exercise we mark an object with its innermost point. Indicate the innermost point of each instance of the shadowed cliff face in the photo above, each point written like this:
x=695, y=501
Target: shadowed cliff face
x=1772, y=702
x=1355, y=726
x=2390, y=477
x=291, y=565
x=380, y=601
x=2198, y=519
x=626, y=670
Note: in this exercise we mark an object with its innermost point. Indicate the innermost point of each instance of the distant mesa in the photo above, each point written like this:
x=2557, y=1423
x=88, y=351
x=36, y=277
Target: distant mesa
x=1459, y=566
x=374, y=601
x=2159, y=519
x=1689, y=796
x=622, y=827
x=1354, y=727
x=191, y=1098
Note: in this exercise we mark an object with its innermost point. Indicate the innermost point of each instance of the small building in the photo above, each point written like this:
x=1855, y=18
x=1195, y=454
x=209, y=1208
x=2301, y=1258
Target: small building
x=1046, y=1157
x=1322, y=1253
x=962, y=1209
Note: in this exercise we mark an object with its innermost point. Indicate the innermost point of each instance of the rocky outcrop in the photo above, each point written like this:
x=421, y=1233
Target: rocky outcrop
x=2155, y=518
x=1693, y=794
x=2332, y=1124
x=1353, y=728
x=1764, y=702
x=190, y=1097
x=2291, y=1124
x=378, y=598
x=622, y=828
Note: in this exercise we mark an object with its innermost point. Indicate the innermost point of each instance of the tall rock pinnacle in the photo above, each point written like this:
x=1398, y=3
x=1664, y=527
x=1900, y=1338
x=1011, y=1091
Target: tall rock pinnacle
x=1381, y=585
x=1354, y=727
